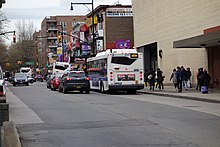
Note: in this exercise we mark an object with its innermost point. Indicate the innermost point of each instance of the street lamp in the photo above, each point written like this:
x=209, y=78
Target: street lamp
x=93, y=28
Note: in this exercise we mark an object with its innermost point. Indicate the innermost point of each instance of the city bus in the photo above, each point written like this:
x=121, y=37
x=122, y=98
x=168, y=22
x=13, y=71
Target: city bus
x=116, y=69
x=60, y=67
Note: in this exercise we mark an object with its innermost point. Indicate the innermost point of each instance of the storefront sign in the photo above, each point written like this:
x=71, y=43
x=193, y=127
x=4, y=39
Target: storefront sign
x=119, y=12
x=123, y=44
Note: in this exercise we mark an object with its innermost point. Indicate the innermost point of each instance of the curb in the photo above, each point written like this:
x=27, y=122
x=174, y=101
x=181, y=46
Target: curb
x=182, y=97
x=11, y=136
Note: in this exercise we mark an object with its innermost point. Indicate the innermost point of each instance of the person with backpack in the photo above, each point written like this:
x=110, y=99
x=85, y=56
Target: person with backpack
x=205, y=82
x=179, y=79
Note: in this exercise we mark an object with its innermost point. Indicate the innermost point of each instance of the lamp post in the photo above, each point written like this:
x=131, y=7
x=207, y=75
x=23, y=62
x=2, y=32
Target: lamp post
x=93, y=28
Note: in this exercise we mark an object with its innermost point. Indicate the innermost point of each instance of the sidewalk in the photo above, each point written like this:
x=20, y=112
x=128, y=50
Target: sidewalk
x=213, y=96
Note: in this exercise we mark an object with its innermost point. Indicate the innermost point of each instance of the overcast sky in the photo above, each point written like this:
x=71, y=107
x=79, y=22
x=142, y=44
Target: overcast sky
x=36, y=10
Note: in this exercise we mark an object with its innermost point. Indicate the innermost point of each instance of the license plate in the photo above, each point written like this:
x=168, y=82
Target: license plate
x=78, y=86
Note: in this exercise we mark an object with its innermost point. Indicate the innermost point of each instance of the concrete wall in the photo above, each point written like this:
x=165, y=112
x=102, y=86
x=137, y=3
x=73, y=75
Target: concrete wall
x=165, y=21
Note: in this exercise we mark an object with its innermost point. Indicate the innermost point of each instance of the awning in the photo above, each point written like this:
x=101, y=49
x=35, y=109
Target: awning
x=206, y=40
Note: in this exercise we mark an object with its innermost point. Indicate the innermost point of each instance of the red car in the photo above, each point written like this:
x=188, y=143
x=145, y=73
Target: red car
x=54, y=83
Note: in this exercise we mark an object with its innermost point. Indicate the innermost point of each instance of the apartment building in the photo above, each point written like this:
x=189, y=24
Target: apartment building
x=179, y=33
x=51, y=28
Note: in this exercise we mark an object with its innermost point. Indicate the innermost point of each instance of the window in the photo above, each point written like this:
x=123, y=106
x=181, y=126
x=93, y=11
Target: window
x=122, y=60
x=64, y=24
x=77, y=74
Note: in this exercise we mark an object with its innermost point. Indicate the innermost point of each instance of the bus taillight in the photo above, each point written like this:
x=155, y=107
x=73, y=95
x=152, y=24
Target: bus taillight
x=141, y=75
x=111, y=76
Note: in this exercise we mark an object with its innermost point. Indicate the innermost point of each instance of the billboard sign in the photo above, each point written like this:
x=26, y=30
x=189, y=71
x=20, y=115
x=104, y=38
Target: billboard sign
x=123, y=44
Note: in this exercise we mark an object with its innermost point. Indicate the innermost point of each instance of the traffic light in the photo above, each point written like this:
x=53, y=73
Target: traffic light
x=14, y=38
x=59, y=39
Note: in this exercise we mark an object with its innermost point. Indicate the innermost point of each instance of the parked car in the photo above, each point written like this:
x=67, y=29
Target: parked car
x=20, y=78
x=50, y=77
x=31, y=79
x=2, y=84
x=74, y=80
x=54, y=83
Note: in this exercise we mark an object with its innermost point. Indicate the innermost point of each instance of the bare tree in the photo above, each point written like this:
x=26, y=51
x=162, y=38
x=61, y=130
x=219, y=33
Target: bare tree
x=25, y=42
x=3, y=47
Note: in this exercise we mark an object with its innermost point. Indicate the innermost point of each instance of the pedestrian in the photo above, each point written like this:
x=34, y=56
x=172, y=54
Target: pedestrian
x=146, y=77
x=205, y=82
x=188, y=75
x=199, y=78
x=159, y=79
x=173, y=77
x=179, y=79
x=184, y=78
x=151, y=77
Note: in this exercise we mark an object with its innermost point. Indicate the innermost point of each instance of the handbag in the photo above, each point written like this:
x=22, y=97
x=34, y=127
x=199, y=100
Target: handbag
x=149, y=76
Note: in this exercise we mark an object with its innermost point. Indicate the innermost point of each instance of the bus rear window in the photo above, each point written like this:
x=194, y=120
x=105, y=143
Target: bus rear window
x=61, y=67
x=122, y=60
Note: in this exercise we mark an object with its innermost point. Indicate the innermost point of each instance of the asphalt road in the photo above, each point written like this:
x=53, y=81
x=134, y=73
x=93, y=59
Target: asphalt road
x=48, y=118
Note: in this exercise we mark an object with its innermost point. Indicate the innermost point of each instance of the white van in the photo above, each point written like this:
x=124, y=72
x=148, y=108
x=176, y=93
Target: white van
x=2, y=83
x=60, y=67
x=26, y=70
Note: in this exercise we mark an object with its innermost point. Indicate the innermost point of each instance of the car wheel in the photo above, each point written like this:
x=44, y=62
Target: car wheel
x=64, y=89
x=87, y=91
x=27, y=84
x=60, y=89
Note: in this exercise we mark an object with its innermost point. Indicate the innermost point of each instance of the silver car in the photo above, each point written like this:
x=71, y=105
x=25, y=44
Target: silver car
x=20, y=78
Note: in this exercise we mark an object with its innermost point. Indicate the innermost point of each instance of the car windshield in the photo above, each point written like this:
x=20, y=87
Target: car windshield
x=20, y=75
x=77, y=74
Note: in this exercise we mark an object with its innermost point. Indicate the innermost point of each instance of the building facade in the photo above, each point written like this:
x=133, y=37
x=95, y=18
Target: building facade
x=51, y=28
x=113, y=27
x=178, y=33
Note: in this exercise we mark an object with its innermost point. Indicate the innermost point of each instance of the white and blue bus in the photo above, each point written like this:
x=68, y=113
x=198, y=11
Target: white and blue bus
x=116, y=69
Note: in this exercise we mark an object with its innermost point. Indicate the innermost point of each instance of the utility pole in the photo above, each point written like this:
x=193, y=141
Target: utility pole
x=62, y=41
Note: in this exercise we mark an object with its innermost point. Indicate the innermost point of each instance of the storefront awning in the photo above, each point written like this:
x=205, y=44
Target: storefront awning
x=206, y=40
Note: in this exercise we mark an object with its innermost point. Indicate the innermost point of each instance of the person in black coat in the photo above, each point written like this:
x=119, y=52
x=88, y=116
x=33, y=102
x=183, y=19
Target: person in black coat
x=205, y=79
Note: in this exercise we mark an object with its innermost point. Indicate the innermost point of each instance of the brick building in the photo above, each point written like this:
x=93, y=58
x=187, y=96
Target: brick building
x=50, y=29
x=113, y=27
